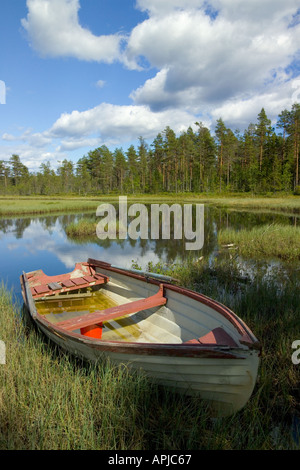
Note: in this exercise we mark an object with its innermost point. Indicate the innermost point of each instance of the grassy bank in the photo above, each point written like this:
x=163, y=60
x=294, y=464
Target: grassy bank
x=82, y=228
x=48, y=401
x=31, y=206
x=63, y=204
x=269, y=302
x=268, y=241
x=87, y=228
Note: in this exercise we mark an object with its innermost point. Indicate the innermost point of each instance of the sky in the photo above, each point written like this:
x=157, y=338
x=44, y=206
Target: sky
x=78, y=74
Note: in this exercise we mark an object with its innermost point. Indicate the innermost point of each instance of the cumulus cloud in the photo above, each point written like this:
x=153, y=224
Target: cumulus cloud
x=108, y=124
x=208, y=58
x=54, y=30
x=124, y=122
x=204, y=61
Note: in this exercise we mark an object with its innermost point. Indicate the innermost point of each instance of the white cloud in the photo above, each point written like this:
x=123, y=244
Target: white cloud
x=206, y=62
x=74, y=144
x=100, y=84
x=8, y=137
x=54, y=30
x=210, y=59
x=240, y=112
x=123, y=122
x=32, y=156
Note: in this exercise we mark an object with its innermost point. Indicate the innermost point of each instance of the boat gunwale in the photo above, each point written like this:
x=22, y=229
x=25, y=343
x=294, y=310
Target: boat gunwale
x=247, y=337
x=150, y=349
x=170, y=349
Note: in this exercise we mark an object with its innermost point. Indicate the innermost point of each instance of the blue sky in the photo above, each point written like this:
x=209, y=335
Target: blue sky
x=84, y=73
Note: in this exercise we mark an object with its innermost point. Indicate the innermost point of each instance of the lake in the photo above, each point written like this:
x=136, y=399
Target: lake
x=30, y=243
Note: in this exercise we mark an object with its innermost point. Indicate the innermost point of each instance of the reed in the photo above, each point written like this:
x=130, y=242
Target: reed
x=267, y=241
x=86, y=228
x=82, y=228
x=44, y=204
x=48, y=400
x=269, y=302
x=32, y=206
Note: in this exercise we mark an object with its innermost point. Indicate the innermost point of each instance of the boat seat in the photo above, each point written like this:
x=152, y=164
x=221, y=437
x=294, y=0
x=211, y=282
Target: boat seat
x=69, y=284
x=217, y=336
x=40, y=290
x=54, y=286
x=111, y=313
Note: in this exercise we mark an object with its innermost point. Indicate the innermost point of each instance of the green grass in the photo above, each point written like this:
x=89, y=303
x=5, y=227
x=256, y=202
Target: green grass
x=82, y=228
x=31, y=206
x=61, y=204
x=87, y=228
x=267, y=241
x=270, y=304
x=50, y=401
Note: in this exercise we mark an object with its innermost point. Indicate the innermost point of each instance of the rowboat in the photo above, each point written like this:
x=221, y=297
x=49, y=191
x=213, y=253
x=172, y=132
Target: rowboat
x=179, y=338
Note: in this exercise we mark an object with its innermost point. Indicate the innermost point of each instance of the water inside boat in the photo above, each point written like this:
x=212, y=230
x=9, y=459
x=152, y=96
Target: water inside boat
x=139, y=327
x=60, y=308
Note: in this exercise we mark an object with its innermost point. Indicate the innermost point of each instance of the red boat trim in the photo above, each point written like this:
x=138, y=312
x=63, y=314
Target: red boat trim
x=42, y=285
x=145, y=349
x=114, y=312
x=247, y=337
x=182, y=350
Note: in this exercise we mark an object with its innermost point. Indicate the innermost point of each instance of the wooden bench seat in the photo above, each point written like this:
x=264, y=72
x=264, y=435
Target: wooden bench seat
x=217, y=337
x=114, y=312
x=68, y=284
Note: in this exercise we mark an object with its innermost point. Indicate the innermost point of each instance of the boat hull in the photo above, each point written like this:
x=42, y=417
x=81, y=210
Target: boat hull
x=225, y=376
x=225, y=383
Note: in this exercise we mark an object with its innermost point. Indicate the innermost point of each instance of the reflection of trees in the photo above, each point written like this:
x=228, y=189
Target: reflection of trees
x=20, y=226
x=14, y=225
x=168, y=249
x=47, y=222
x=242, y=219
x=6, y=224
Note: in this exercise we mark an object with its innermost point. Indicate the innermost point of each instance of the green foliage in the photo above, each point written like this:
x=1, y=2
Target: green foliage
x=297, y=191
x=259, y=161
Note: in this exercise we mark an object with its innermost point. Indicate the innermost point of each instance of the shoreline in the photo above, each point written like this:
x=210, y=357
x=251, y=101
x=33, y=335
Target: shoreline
x=34, y=205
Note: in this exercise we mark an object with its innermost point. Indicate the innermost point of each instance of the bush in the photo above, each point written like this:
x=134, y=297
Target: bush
x=297, y=191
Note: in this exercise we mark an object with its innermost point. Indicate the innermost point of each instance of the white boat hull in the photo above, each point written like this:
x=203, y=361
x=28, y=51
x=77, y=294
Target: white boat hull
x=162, y=341
x=227, y=384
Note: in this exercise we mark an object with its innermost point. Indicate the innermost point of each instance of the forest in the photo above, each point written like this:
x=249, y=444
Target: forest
x=261, y=160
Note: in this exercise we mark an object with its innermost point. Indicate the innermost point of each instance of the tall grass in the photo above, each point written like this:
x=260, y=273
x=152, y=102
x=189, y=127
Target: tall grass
x=275, y=240
x=82, y=228
x=87, y=228
x=51, y=204
x=31, y=206
x=50, y=401
x=269, y=303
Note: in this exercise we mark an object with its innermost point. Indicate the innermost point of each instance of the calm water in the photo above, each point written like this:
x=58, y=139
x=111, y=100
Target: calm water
x=31, y=243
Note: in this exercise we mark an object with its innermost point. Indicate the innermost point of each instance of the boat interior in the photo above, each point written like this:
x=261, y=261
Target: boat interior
x=116, y=307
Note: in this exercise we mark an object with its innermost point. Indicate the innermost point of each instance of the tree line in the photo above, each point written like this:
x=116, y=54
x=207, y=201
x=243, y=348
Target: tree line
x=262, y=159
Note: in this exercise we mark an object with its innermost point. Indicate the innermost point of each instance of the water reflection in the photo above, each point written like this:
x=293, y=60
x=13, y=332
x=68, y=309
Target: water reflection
x=31, y=243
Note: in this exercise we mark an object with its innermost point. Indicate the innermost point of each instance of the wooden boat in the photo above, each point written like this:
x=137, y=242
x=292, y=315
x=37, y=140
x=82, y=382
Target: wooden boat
x=180, y=338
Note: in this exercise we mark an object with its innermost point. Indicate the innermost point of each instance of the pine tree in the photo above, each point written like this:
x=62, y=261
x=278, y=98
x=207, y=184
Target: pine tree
x=263, y=130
